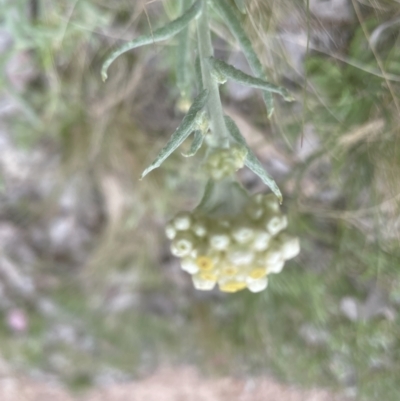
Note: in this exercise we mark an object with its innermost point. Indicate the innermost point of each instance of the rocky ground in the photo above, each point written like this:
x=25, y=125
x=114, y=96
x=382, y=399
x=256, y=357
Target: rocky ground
x=89, y=295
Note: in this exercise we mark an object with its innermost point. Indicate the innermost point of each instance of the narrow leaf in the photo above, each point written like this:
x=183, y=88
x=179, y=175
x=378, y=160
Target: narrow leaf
x=164, y=33
x=183, y=58
x=233, y=22
x=222, y=69
x=181, y=133
x=251, y=160
x=199, y=76
x=196, y=144
x=182, y=62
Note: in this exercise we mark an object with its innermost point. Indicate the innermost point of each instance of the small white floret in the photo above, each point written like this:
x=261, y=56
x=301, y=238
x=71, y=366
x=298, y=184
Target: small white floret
x=258, y=285
x=181, y=246
x=276, y=267
x=261, y=241
x=189, y=265
x=273, y=255
x=243, y=235
x=290, y=247
x=203, y=285
x=254, y=212
x=199, y=229
x=240, y=257
x=170, y=231
x=258, y=198
x=271, y=203
x=276, y=224
x=182, y=221
x=220, y=242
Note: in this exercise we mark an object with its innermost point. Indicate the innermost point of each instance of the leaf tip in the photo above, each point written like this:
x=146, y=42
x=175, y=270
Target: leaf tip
x=289, y=97
x=145, y=172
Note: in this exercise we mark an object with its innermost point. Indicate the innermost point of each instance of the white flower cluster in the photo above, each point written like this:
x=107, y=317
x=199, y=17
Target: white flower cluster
x=237, y=251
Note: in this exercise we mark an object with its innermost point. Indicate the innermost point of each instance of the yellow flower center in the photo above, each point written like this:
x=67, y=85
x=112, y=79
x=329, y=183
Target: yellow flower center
x=232, y=286
x=204, y=263
x=229, y=271
x=208, y=276
x=258, y=273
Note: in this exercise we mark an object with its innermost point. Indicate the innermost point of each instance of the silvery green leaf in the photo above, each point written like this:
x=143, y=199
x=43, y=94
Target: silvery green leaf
x=216, y=72
x=225, y=197
x=199, y=76
x=241, y=5
x=182, y=62
x=223, y=71
x=164, y=33
x=251, y=160
x=182, y=132
x=232, y=21
x=196, y=144
x=183, y=57
x=208, y=191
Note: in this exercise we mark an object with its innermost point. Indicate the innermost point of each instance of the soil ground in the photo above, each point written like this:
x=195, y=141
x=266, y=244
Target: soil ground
x=167, y=384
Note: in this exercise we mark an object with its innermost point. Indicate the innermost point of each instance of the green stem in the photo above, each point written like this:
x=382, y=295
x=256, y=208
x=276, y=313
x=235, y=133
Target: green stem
x=214, y=106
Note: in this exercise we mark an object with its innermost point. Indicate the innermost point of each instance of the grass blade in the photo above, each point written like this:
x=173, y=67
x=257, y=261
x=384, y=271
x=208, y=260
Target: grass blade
x=251, y=160
x=241, y=5
x=164, y=33
x=181, y=133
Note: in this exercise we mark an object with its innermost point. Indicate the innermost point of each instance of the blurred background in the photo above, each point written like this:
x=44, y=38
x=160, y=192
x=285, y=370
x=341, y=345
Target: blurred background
x=93, y=305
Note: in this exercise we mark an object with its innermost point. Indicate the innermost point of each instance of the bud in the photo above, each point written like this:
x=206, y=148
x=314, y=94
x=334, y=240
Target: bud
x=222, y=163
x=170, y=231
x=255, y=212
x=271, y=203
x=199, y=229
x=182, y=221
x=219, y=242
x=242, y=235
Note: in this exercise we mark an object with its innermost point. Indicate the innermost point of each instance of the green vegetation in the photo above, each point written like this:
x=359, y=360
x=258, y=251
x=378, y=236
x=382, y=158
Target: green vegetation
x=331, y=318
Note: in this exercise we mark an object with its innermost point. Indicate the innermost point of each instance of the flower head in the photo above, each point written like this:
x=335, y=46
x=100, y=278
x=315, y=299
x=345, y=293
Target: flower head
x=223, y=163
x=232, y=240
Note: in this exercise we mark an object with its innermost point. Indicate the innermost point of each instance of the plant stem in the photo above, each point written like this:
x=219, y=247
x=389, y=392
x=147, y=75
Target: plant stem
x=214, y=106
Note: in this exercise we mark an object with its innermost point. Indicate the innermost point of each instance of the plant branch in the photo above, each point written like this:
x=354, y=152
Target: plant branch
x=214, y=106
